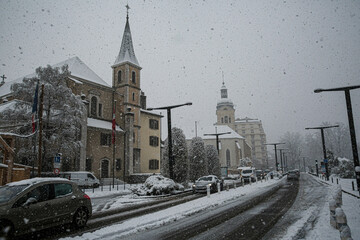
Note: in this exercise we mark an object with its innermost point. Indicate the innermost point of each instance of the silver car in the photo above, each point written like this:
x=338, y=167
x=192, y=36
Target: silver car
x=201, y=184
x=35, y=204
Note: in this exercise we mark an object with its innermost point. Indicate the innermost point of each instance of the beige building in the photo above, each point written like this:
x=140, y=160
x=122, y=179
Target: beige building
x=232, y=147
x=137, y=143
x=251, y=129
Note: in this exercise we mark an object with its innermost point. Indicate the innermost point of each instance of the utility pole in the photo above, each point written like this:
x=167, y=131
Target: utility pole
x=276, y=161
x=351, y=126
x=217, y=137
x=323, y=145
x=41, y=107
x=171, y=157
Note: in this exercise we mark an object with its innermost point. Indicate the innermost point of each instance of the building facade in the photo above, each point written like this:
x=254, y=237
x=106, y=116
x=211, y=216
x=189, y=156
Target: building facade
x=250, y=129
x=137, y=134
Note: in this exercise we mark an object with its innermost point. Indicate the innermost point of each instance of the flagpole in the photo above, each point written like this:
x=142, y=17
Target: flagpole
x=34, y=111
x=113, y=141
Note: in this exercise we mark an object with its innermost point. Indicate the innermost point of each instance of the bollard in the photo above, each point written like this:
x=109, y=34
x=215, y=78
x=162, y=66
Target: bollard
x=332, y=207
x=208, y=190
x=218, y=187
x=332, y=180
x=353, y=186
x=234, y=184
x=227, y=187
x=337, y=181
x=341, y=220
x=345, y=233
x=242, y=182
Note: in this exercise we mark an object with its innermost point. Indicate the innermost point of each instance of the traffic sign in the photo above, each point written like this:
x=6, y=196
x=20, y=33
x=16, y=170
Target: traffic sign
x=326, y=160
x=57, y=171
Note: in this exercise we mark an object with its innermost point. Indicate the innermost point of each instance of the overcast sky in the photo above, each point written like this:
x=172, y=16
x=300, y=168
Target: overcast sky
x=273, y=53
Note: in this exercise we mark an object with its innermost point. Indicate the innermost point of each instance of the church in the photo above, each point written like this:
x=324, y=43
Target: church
x=136, y=150
x=251, y=129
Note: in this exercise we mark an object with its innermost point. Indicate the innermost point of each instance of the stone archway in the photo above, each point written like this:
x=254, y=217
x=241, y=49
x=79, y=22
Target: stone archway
x=105, y=164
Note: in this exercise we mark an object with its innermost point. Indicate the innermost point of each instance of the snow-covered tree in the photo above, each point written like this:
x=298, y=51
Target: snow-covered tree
x=197, y=159
x=179, y=149
x=294, y=147
x=61, y=116
x=213, y=160
x=245, y=162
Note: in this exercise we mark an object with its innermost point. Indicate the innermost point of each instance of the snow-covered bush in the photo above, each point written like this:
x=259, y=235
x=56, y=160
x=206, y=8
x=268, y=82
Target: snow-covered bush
x=157, y=185
x=344, y=168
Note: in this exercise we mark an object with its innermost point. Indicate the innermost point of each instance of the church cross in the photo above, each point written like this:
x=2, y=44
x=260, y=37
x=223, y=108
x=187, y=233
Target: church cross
x=3, y=78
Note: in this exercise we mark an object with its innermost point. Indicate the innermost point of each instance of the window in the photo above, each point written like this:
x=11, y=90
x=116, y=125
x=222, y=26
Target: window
x=88, y=165
x=133, y=96
x=153, y=164
x=105, y=139
x=93, y=106
x=222, y=120
x=41, y=193
x=133, y=77
x=153, y=124
x=229, y=119
x=228, y=157
x=62, y=189
x=118, y=164
x=154, y=141
x=100, y=109
x=226, y=119
x=119, y=76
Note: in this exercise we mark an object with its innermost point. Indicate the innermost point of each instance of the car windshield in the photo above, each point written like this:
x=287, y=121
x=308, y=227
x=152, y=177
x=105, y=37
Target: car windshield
x=247, y=171
x=8, y=192
x=205, y=179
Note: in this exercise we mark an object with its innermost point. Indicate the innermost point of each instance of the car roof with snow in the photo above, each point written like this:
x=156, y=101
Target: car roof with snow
x=33, y=181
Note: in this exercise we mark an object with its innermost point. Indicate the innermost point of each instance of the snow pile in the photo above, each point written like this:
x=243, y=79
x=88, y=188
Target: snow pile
x=157, y=185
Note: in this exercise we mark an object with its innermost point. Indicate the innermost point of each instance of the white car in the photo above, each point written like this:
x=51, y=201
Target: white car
x=83, y=179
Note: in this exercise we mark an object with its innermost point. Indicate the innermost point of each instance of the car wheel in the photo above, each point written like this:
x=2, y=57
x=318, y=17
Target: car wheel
x=80, y=218
x=6, y=230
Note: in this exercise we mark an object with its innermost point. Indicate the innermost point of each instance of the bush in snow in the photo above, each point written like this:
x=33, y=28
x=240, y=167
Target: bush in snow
x=157, y=185
x=344, y=168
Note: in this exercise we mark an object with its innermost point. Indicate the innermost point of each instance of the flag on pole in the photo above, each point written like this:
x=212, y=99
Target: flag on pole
x=113, y=126
x=34, y=108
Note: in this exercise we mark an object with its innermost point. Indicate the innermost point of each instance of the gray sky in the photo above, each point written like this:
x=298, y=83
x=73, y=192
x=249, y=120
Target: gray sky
x=273, y=53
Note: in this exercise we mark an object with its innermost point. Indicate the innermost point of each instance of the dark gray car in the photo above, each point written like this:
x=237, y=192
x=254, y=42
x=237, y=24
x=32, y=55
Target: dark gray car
x=39, y=203
x=211, y=181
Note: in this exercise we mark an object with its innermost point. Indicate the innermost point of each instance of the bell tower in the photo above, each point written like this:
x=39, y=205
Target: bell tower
x=225, y=110
x=126, y=81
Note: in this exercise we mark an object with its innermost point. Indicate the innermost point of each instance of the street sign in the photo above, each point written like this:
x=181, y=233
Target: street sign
x=57, y=162
x=326, y=160
x=56, y=171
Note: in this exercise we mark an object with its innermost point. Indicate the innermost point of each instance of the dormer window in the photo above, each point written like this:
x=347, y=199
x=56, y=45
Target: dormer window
x=133, y=77
x=119, y=76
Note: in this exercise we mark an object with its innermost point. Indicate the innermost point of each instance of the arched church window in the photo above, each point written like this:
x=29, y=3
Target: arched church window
x=228, y=157
x=133, y=96
x=93, y=106
x=133, y=77
x=226, y=119
x=119, y=76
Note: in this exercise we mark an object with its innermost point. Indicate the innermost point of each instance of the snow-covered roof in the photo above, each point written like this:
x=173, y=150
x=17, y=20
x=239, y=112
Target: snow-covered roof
x=97, y=123
x=11, y=105
x=220, y=129
x=225, y=101
x=77, y=68
x=127, y=53
x=247, y=119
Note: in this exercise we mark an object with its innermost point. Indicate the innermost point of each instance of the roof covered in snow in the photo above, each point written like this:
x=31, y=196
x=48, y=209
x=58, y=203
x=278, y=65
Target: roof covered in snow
x=97, y=123
x=220, y=129
x=127, y=53
x=77, y=68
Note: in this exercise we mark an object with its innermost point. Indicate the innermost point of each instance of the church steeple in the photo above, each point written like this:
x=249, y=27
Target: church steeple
x=127, y=53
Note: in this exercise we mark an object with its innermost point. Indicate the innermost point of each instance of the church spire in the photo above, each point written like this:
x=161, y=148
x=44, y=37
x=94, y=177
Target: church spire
x=223, y=90
x=127, y=53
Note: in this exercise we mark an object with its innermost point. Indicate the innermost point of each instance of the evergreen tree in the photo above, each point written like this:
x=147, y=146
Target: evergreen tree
x=179, y=149
x=213, y=160
x=61, y=116
x=197, y=159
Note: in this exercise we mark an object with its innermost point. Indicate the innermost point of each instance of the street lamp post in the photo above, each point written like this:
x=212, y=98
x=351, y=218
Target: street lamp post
x=323, y=145
x=217, y=137
x=275, y=144
x=281, y=158
x=351, y=126
x=171, y=157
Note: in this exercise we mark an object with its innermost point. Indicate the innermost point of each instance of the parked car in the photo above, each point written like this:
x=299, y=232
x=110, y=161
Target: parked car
x=39, y=203
x=83, y=179
x=211, y=180
x=293, y=175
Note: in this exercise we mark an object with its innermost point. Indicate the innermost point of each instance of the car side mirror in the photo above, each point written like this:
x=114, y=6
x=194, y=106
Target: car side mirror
x=30, y=201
